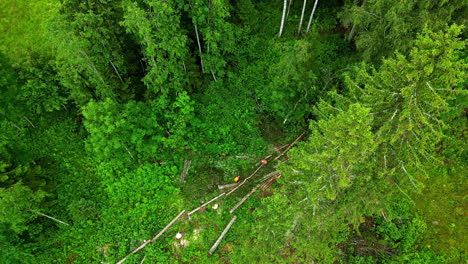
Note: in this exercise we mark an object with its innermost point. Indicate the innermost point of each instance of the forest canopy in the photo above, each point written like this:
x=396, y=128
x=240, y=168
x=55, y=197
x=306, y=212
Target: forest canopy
x=249, y=131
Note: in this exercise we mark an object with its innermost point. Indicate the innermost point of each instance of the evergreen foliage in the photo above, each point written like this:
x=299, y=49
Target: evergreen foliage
x=104, y=104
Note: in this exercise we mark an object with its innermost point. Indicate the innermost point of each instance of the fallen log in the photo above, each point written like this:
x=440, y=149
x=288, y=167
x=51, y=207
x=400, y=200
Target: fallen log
x=227, y=186
x=185, y=170
x=290, y=146
x=243, y=200
x=226, y=229
x=205, y=204
x=153, y=239
x=244, y=181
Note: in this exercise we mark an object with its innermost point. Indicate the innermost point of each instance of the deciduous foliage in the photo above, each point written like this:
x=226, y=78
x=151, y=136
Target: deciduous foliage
x=103, y=102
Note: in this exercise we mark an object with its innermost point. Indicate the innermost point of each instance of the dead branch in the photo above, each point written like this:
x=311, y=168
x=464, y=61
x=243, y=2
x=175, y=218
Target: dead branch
x=242, y=157
x=226, y=229
x=290, y=146
x=50, y=217
x=29, y=121
x=153, y=239
x=184, y=171
x=243, y=199
x=227, y=186
x=205, y=204
x=244, y=181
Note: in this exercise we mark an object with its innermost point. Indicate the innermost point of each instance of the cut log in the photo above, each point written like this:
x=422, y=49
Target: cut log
x=244, y=181
x=290, y=146
x=153, y=239
x=184, y=171
x=243, y=200
x=226, y=229
x=205, y=204
x=227, y=186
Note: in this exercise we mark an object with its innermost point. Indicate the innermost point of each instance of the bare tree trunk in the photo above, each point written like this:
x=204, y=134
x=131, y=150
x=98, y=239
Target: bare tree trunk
x=283, y=18
x=290, y=146
x=243, y=200
x=116, y=71
x=185, y=170
x=153, y=239
x=205, y=204
x=244, y=181
x=216, y=244
x=50, y=217
x=29, y=121
x=199, y=47
x=311, y=16
x=289, y=9
x=302, y=17
x=227, y=186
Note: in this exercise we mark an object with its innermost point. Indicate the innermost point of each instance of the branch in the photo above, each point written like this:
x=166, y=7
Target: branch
x=50, y=217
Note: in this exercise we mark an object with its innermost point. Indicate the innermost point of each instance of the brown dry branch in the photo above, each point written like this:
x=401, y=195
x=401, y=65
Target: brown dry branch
x=205, y=204
x=226, y=229
x=290, y=146
x=154, y=238
x=243, y=199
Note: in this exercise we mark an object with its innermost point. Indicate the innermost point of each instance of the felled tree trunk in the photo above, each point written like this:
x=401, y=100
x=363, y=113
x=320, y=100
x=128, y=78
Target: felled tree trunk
x=226, y=229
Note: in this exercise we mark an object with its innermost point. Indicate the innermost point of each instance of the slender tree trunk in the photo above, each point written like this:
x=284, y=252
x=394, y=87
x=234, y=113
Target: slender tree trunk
x=216, y=244
x=153, y=239
x=289, y=9
x=302, y=17
x=199, y=48
x=243, y=200
x=116, y=71
x=50, y=217
x=29, y=121
x=283, y=18
x=311, y=16
x=205, y=204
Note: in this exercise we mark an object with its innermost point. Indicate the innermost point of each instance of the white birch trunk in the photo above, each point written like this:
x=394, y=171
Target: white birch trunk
x=302, y=17
x=311, y=16
x=283, y=18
